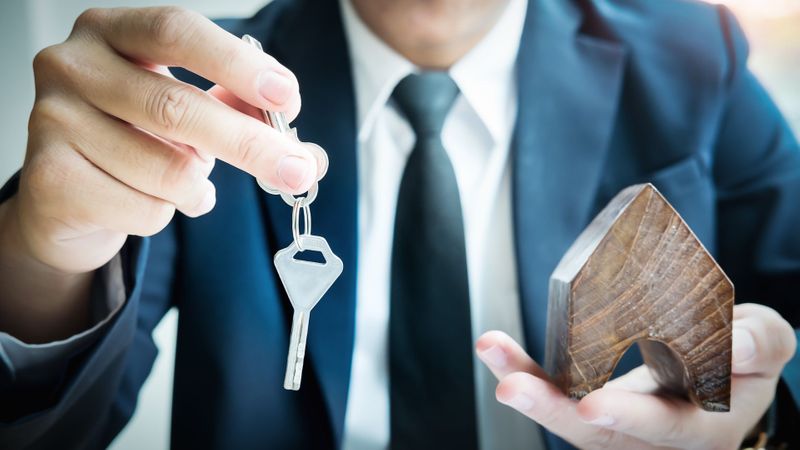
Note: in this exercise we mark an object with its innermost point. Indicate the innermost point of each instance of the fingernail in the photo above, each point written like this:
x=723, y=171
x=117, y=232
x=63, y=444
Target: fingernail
x=293, y=170
x=602, y=421
x=208, y=202
x=274, y=87
x=744, y=347
x=494, y=356
x=522, y=402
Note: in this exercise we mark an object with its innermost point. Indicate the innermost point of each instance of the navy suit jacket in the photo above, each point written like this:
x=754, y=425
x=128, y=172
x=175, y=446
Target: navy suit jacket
x=611, y=93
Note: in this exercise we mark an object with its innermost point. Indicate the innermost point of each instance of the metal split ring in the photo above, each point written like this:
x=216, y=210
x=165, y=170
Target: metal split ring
x=289, y=199
x=299, y=204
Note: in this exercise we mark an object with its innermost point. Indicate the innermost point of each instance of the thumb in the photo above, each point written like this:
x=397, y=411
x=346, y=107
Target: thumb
x=227, y=97
x=763, y=341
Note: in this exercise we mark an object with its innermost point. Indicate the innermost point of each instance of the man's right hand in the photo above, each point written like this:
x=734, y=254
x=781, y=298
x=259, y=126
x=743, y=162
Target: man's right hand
x=116, y=144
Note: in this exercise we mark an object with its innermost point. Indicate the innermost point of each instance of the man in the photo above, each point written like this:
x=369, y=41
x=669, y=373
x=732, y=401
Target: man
x=469, y=144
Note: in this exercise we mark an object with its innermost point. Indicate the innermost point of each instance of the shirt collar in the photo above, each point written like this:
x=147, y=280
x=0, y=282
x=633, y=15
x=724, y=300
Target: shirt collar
x=377, y=68
x=485, y=75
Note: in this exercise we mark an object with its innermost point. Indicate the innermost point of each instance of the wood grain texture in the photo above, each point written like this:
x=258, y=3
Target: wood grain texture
x=639, y=274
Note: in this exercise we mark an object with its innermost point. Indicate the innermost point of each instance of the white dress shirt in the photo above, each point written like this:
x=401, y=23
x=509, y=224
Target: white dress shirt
x=477, y=136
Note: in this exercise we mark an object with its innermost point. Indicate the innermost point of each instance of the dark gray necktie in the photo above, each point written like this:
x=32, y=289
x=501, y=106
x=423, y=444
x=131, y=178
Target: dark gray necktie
x=430, y=340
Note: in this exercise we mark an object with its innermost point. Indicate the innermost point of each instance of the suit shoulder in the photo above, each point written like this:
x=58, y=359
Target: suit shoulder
x=260, y=24
x=700, y=39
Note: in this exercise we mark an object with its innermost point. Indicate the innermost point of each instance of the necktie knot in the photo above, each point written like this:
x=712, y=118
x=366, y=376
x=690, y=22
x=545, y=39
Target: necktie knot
x=425, y=99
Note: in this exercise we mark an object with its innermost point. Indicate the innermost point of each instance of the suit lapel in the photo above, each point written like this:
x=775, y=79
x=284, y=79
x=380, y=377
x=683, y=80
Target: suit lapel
x=313, y=46
x=569, y=85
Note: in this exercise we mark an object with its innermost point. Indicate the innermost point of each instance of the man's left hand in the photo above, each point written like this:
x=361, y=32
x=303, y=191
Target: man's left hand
x=626, y=414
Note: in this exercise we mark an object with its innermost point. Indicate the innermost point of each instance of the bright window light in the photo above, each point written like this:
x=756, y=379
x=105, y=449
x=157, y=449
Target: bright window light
x=765, y=8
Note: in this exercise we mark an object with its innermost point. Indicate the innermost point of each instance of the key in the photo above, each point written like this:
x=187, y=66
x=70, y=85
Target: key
x=277, y=120
x=305, y=282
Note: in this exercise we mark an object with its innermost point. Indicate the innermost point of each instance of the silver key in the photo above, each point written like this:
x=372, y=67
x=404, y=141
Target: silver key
x=277, y=120
x=305, y=283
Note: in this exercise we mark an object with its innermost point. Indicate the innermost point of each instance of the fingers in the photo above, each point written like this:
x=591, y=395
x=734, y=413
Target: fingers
x=673, y=422
x=544, y=403
x=145, y=162
x=183, y=113
x=230, y=99
x=625, y=413
x=524, y=386
x=658, y=420
x=522, y=383
x=81, y=194
x=502, y=355
x=89, y=183
x=227, y=97
x=763, y=342
x=173, y=36
x=639, y=380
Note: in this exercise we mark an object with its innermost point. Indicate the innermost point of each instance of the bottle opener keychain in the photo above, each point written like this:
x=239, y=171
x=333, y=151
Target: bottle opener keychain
x=305, y=282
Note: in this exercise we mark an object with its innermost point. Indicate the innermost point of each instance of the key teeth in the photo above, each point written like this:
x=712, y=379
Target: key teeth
x=298, y=371
x=292, y=382
x=298, y=374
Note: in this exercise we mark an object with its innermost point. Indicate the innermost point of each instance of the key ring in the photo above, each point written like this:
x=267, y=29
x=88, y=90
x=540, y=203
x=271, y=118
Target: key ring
x=299, y=204
x=289, y=199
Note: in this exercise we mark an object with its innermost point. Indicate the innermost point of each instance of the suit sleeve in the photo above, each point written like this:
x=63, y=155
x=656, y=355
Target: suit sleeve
x=80, y=394
x=757, y=171
x=31, y=372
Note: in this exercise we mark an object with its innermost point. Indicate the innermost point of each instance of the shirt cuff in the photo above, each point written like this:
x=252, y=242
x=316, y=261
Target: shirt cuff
x=38, y=364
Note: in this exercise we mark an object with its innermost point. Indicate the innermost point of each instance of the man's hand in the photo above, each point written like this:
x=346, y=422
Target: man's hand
x=117, y=145
x=624, y=414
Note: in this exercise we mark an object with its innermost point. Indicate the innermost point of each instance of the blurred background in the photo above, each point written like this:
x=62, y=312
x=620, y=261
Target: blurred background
x=773, y=28
x=26, y=26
